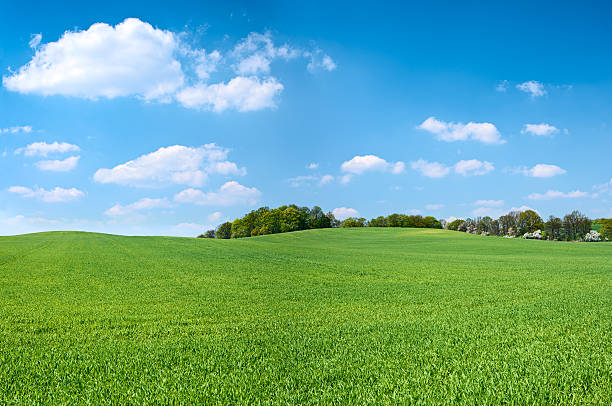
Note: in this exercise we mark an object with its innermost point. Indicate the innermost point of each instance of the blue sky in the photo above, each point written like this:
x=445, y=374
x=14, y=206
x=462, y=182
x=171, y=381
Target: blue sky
x=142, y=119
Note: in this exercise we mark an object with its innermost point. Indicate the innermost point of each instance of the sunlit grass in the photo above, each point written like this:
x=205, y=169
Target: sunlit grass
x=324, y=316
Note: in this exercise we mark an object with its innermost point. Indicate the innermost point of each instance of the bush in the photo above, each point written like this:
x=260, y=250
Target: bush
x=592, y=236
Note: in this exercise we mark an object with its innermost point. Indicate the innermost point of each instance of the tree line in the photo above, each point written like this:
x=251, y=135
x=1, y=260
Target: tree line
x=528, y=224
x=572, y=227
x=294, y=218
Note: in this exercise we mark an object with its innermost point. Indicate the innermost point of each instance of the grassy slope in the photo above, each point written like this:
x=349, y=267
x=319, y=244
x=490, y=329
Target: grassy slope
x=352, y=315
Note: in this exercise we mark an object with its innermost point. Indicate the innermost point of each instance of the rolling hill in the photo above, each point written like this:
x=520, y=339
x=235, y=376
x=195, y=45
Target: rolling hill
x=322, y=316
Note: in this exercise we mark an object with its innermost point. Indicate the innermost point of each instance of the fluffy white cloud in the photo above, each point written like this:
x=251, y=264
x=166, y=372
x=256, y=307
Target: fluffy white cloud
x=430, y=169
x=135, y=59
x=365, y=163
x=131, y=58
x=140, y=205
x=225, y=168
x=312, y=166
x=241, y=93
x=539, y=129
x=542, y=171
x=231, y=193
x=555, y=194
x=44, y=149
x=489, y=203
x=446, y=131
x=175, y=164
x=16, y=129
x=533, y=87
x=56, y=165
x=342, y=213
x=473, y=167
x=57, y=195
x=436, y=206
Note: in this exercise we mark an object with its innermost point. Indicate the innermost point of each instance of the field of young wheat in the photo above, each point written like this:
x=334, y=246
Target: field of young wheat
x=363, y=316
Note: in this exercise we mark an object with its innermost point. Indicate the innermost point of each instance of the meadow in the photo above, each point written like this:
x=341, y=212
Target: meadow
x=332, y=316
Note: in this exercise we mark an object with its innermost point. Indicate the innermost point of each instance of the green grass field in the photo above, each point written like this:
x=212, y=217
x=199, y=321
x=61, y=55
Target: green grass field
x=378, y=316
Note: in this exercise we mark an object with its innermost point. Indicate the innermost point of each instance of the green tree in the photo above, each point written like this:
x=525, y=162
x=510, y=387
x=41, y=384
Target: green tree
x=379, y=221
x=224, y=231
x=529, y=221
x=454, y=225
x=606, y=228
x=553, y=227
x=354, y=222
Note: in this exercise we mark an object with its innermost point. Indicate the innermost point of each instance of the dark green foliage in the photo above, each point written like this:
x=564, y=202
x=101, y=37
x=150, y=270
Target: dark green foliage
x=553, y=227
x=224, y=231
x=283, y=219
x=528, y=222
x=575, y=226
x=357, y=316
x=404, y=220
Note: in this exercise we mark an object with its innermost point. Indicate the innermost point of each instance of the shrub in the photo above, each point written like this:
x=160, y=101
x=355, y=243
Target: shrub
x=592, y=236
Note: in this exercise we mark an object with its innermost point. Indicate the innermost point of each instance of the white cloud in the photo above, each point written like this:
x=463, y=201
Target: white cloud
x=225, y=168
x=255, y=53
x=231, y=193
x=436, y=206
x=342, y=213
x=430, y=169
x=16, y=129
x=489, y=203
x=140, y=205
x=214, y=217
x=240, y=93
x=542, y=171
x=539, y=129
x=446, y=131
x=325, y=179
x=398, y=167
x=57, y=195
x=365, y=163
x=320, y=60
x=55, y=165
x=205, y=63
x=473, y=167
x=312, y=166
x=533, y=87
x=555, y=194
x=175, y=164
x=44, y=149
x=35, y=40
x=132, y=58
x=502, y=86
